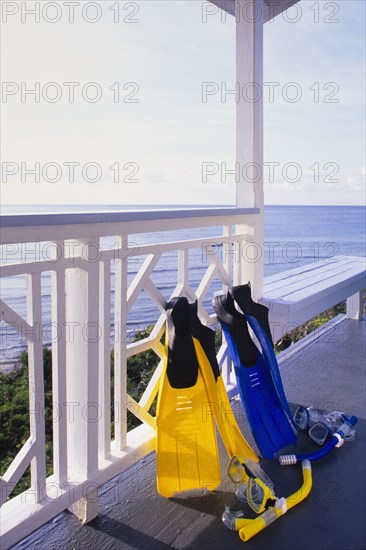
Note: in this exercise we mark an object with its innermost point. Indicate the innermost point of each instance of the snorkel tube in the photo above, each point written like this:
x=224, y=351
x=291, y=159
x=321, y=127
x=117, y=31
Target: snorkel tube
x=249, y=527
x=336, y=440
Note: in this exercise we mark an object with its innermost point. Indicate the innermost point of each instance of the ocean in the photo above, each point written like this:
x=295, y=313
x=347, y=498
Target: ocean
x=294, y=236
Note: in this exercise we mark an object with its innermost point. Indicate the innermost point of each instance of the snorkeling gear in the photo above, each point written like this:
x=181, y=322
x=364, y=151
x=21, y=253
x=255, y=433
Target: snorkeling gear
x=254, y=486
x=257, y=317
x=186, y=445
x=192, y=394
x=320, y=426
x=219, y=404
x=338, y=438
x=269, y=422
x=249, y=527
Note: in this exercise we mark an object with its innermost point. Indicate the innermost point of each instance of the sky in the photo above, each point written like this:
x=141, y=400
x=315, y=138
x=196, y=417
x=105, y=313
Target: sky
x=118, y=113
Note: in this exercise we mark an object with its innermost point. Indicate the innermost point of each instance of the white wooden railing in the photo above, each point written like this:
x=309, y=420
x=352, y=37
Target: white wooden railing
x=82, y=271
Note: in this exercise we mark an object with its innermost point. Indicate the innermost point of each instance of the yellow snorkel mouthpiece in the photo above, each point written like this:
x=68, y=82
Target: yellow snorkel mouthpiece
x=249, y=527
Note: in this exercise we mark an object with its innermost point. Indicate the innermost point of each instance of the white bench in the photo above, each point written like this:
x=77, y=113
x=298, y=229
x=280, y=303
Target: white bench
x=299, y=294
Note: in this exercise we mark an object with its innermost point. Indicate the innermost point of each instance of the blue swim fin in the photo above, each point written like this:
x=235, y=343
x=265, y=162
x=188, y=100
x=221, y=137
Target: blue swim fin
x=257, y=317
x=267, y=419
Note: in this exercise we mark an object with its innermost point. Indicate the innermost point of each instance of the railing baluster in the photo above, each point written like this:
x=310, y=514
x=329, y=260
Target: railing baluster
x=104, y=434
x=228, y=252
x=257, y=267
x=36, y=386
x=58, y=316
x=92, y=334
x=239, y=251
x=182, y=276
x=228, y=264
x=120, y=346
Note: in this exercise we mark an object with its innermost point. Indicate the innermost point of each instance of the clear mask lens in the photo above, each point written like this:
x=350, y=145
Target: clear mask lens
x=301, y=417
x=256, y=496
x=241, y=492
x=236, y=470
x=319, y=433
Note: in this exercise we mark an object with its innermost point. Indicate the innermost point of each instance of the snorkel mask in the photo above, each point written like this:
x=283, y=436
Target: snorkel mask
x=254, y=486
x=319, y=426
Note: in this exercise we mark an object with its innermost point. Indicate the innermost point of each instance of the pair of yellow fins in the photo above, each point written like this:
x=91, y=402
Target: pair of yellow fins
x=192, y=397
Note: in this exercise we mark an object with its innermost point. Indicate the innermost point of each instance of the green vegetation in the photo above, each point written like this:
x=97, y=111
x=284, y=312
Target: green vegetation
x=15, y=429
x=308, y=327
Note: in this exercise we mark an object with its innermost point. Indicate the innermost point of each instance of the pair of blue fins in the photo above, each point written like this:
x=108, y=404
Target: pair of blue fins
x=192, y=394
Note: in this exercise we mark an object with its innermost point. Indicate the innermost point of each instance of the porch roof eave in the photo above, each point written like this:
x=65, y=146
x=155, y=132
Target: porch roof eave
x=272, y=8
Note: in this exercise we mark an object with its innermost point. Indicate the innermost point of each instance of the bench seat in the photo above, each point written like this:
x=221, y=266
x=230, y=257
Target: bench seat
x=297, y=295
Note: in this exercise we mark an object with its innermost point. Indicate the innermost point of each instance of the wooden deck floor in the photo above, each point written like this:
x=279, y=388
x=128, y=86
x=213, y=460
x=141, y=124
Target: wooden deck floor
x=328, y=372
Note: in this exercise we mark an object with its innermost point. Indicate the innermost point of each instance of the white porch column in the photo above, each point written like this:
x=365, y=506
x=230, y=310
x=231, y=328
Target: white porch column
x=82, y=345
x=249, y=131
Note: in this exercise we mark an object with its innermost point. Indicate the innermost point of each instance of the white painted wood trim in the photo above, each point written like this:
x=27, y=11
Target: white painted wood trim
x=160, y=215
x=138, y=283
x=355, y=306
x=82, y=290
x=11, y=317
x=16, y=231
x=141, y=413
x=231, y=269
x=36, y=387
x=249, y=128
x=120, y=344
x=274, y=8
x=17, y=468
x=152, y=388
x=155, y=295
x=271, y=8
x=8, y=270
x=104, y=433
x=60, y=412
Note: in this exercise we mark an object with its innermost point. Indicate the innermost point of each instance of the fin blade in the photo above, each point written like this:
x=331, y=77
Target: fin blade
x=267, y=419
x=186, y=447
x=231, y=435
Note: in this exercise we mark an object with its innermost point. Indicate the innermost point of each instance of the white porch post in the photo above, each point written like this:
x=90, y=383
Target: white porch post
x=249, y=132
x=82, y=345
x=355, y=306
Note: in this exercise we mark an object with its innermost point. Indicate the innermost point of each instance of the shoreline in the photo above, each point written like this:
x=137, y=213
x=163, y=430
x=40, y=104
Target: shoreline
x=7, y=367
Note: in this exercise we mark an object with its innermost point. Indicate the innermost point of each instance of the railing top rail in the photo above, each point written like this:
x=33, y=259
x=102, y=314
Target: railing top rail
x=79, y=218
x=27, y=228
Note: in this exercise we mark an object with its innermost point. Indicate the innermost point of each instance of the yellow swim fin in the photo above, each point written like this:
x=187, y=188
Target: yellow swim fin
x=186, y=446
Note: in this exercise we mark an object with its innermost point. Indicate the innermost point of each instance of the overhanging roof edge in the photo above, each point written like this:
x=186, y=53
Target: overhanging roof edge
x=272, y=8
